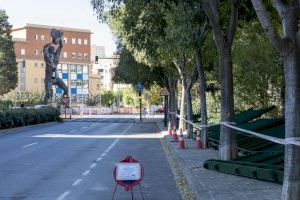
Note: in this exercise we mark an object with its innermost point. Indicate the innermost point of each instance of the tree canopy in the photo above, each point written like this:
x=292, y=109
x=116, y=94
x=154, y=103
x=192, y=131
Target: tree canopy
x=8, y=64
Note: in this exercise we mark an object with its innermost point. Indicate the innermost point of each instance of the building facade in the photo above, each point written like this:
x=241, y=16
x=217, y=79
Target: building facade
x=75, y=62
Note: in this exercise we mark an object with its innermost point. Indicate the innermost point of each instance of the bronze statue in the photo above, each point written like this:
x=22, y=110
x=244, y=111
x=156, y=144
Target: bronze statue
x=51, y=58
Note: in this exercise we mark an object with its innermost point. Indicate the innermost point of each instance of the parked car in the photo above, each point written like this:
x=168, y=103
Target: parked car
x=160, y=109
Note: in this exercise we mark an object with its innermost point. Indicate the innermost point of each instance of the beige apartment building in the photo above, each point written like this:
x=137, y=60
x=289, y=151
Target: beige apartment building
x=75, y=62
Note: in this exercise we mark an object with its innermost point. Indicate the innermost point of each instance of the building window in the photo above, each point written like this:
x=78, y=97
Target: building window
x=73, y=55
x=79, y=56
x=35, y=80
x=85, y=42
x=85, y=84
x=36, y=37
x=42, y=37
x=79, y=41
x=22, y=52
x=65, y=40
x=73, y=83
x=42, y=64
x=36, y=64
x=42, y=80
x=73, y=69
x=65, y=54
x=85, y=55
x=73, y=40
x=100, y=70
x=41, y=52
x=36, y=52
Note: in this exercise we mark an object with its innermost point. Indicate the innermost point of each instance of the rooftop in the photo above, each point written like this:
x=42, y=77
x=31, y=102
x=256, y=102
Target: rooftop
x=50, y=27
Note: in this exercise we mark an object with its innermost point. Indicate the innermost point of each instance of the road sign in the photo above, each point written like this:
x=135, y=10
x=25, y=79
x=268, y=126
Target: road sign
x=164, y=92
x=128, y=173
x=139, y=87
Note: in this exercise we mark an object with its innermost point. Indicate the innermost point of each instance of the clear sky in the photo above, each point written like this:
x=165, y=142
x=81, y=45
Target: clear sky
x=67, y=13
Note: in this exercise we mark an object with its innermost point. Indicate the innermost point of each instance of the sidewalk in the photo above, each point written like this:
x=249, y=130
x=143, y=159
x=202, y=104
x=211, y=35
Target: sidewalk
x=207, y=184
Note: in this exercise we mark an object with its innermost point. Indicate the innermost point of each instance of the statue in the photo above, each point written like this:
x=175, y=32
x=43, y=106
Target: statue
x=51, y=58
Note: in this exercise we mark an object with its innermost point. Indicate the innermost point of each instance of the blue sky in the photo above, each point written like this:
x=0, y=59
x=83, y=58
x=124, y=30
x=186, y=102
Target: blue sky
x=68, y=13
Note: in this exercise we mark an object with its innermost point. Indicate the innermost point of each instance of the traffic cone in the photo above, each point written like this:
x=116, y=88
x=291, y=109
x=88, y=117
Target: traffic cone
x=170, y=128
x=198, y=140
x=181, y=141
x=175, y=139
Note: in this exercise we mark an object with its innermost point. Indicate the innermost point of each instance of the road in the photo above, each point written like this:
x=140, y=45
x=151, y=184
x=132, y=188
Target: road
x=74, y=160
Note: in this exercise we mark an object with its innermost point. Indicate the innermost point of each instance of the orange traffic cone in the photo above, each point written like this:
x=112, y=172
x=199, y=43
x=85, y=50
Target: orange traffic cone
x=198, y=140
x=170, y=128
x=175, y=139
x=181, y=140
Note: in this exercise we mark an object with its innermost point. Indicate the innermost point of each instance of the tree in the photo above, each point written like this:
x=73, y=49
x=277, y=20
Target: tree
x=8, y=64
x=93, y=100
x=287, y=43
x=108, y=97
x=224, y=31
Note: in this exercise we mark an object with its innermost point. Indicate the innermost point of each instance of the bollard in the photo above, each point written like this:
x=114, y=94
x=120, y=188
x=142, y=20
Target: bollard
x=198, y=140
x=175, y=139
x=170, y=128
x=181, y=144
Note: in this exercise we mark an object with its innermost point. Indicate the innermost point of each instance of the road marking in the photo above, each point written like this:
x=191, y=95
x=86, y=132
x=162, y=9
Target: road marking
x=104, y=154
x=72, y=131
x=29, y=145
x=77, y=182
x=93, y=124
x=93, y=165
x=86, y=172
x=61, y=197
x=84, y=127
x=99, y=159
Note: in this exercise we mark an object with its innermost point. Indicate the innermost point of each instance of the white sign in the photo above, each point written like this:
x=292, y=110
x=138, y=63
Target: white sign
x=164, y=92
x=128, y=171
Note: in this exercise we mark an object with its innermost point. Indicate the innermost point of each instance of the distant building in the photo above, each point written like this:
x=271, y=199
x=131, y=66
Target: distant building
x=75, y=63
x=103, y=67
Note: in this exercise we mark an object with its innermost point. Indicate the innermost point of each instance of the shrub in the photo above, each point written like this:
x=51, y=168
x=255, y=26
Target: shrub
x=22, y=116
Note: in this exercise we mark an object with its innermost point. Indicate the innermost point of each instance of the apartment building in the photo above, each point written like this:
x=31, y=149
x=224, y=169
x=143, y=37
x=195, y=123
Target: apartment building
x=75, y=62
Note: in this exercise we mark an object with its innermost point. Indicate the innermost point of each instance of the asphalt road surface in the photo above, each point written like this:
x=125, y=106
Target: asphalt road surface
x=74, y=160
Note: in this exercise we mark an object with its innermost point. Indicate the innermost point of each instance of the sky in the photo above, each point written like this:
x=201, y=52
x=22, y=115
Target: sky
x=66, y=13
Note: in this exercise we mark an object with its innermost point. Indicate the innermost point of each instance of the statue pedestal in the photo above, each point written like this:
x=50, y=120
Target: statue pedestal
x=53, y=104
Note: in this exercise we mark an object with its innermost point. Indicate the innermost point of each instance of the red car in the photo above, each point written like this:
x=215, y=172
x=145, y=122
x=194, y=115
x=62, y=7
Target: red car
x=160, y=110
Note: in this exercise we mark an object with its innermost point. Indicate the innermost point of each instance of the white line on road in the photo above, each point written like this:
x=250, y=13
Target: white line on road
x=93, y=165
x=99, y=159
x=104, y=154
x=77, y=182
x=72, y=131
x=61, y=197
x=93, y=124
x=86, y=172
x=84, y=127
x=28, y=145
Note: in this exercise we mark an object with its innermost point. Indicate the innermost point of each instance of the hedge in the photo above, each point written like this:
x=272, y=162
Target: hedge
x=22, y=117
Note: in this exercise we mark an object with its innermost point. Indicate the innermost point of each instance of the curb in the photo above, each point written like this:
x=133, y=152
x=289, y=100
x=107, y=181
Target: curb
x=12, y=130
x=193, y=185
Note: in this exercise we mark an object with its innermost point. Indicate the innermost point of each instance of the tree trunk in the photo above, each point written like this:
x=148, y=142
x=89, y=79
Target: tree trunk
x=189, y=111
x=182, y=110
x=228, y=146
x=202, y=89
x=172, y=100
x=291, y=182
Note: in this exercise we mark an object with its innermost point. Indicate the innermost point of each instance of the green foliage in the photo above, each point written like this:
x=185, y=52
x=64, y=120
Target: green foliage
x=108, y=97
x=258, y=73
x=152, y=95
x=93, y=100
x=24, y=97
x=11, y=118
x=8, y=64
x=130, y=97
x=129, y=71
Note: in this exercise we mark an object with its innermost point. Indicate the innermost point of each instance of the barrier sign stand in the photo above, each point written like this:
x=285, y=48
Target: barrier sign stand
x=128, y=173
